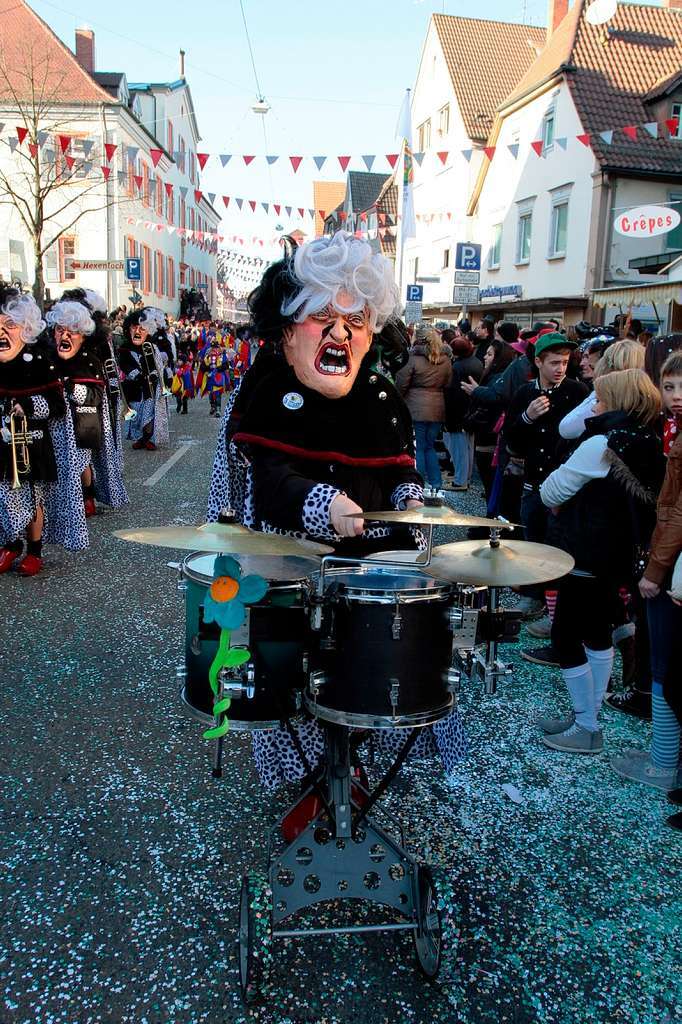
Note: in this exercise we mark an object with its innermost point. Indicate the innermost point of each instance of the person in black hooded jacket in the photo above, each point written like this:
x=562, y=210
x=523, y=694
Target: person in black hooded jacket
x=605, y=498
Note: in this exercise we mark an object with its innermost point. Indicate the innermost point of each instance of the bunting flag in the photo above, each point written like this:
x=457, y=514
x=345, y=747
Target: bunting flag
x=585, y=139
x=442, y=157
x=514, y=150
x=87, y=145
x=673, y=124
x=225, y=158
x=69, y=160
x=319, y=162
x=169, y=188
x=489, y=151
x=562, y=142
x=248, y=159
x=239, y=202
x=537, y=146
x=266, y=206
x=631, y=131
x=42, y=136
x=64, y=142
x=369, y=161
x=86, y=167
x=131, y=153
x=109, y=150
x=295, y=162
x=607, y=137
x=122, y=177
x=13, y=143
x=276, y=208
x=137, y=178
x=202, y=158
x=106, y=171
x=344, y=161
x=419, y=157
x=272, y=160
x=33, y=149
x=21, y=134
x=652, y=128
x=226, y=201
x=288, y=210
x=211, y=198
x=183, y=191
x=156, y=155
x=198, y=195
x=252, y=204
x=392, y=159
x=467, y=154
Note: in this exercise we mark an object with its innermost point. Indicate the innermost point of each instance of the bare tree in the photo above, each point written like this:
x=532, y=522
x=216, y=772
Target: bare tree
x=49, y=196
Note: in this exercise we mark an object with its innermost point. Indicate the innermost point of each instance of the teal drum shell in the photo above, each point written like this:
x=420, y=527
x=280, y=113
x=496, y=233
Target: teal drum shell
x=276, y=632
x=383, y=655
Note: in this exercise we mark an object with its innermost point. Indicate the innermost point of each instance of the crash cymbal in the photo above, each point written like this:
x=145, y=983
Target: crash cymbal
x=513, y=564
x=222, y=538
x=432, y=515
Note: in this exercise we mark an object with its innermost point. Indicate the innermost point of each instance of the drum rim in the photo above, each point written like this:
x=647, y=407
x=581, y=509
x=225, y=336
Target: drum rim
x=288, y=583
x=439, y=590
x=353, y=720
x=236, y=725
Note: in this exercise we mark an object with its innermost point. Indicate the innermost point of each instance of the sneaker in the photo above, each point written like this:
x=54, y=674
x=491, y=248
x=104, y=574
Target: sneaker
x=541, y=629
x=675, y=797
x=552, y=726
x=529, y=608
x=631, y=702
x=458, y=487
x=541, y=656
x=636, y=765
x=576, y=740
x=674, y=821
x=29, y=566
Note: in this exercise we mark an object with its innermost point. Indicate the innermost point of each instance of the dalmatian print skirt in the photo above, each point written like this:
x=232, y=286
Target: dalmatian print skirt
x=17, y=509
x=152, y=411
x=65, y=512
x=107, y=465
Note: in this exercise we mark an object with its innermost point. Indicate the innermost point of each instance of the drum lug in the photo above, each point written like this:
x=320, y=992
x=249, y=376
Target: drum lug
x=454, y=680
x=397, y=626
x=316, y=683
x=181, y=673
x=195, y=644
x=305, y=663
x=181, y=585
x=250, y=681
x=394, y=696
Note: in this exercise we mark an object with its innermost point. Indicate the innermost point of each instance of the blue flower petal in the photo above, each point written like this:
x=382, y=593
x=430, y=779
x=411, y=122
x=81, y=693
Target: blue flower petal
x=252, y=589
x=225, y=565
x=233, y=614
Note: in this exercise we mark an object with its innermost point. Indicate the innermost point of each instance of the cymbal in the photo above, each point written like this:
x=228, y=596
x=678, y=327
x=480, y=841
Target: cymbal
x=222, y=538
x=514, y=563
x=432, y=515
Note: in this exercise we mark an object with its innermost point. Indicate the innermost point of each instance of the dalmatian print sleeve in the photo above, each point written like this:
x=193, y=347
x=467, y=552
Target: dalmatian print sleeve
x=79, y=395
x=316, y=508
x=404, y=493
x=41, y=409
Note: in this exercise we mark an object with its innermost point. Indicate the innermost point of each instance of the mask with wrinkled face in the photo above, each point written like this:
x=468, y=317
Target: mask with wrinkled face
x=138, y=334
x=11, y=339
x=69, y=343
x=325, y=350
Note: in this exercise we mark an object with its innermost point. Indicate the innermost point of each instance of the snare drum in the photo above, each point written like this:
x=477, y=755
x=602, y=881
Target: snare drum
x=275, y=631
x=382, y=657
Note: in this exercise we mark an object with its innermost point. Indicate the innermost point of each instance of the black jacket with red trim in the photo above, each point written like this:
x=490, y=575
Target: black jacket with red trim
x=295, y=439
x=31, y=380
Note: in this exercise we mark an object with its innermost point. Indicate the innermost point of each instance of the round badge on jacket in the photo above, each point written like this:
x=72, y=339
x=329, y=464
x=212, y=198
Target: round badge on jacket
x=292, y=400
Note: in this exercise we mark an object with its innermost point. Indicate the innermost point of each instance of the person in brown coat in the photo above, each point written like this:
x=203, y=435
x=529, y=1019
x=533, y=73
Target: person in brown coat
x=421, y=383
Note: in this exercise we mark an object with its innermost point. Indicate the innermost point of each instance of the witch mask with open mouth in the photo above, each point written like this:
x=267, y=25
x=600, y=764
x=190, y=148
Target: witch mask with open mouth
x=327, y=348
x=72, y=323
x=20, y=323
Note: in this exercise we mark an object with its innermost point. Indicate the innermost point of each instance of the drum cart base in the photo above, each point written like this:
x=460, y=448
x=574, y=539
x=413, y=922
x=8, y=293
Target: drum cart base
x=342, y=854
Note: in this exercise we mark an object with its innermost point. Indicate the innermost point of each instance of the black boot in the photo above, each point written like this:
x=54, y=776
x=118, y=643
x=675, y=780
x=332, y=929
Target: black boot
x=675, y=821
x=675, y=796
x=631, y=702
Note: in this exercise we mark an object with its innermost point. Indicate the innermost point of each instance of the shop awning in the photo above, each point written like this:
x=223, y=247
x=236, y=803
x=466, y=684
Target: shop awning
x=638, y=294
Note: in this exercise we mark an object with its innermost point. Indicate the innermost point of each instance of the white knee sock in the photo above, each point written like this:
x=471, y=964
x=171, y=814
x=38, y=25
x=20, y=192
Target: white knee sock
x=601, y=663
x=581, y=688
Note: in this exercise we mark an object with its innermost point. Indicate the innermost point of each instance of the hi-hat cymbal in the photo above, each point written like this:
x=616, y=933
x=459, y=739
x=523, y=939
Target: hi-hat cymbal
x=513, y=564
x=432, y=515
x=222, y=538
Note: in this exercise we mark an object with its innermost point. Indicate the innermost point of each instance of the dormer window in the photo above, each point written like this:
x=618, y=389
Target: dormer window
x=548, y=124
x=676, y=111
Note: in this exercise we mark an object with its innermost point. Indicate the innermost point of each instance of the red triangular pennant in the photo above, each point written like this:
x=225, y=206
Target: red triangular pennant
x=489, y=151
x=33, y=149
x=156, y=155
x=137, y=178
x=673, y=124
x=70, y=161
x=443, y=157
x=537, y=146
x=631, y=131
x=392, y=159
x=382, y=218
x=585, y=139
x=110, y=148
x=169, y=189
x=295, y=162
x=202, y=158
x=301, y=211
x=252, y=204
x=21, y=134
x=322, y=214
x=343, y=216
x=344, y=161
x=226, y=201
x=64, y=142
x=198, y=195
x=247, y=159
x=106, y=171
x=276, y=208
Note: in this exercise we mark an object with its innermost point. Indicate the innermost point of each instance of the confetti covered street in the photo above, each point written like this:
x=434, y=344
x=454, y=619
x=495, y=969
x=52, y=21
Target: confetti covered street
x=121, y=858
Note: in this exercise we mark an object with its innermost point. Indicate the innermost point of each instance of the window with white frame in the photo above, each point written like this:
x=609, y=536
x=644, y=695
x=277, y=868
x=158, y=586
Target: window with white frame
x=524, y=233
x=424, y=135
x=446, y=259
x=558, y=230
x=548, y=130
x=677, y=113
x=444, y=119
x=495, y=253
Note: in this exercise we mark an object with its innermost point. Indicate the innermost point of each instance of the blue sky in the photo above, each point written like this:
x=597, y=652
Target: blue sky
x=334, y=72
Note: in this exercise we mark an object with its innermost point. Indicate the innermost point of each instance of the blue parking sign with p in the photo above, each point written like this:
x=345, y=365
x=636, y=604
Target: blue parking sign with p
x=134, y=269
x=468, y=256
x=415, y=292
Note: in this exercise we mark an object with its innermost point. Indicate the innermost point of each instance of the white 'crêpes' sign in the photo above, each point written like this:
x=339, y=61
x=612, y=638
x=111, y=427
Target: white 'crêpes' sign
x=647, y=221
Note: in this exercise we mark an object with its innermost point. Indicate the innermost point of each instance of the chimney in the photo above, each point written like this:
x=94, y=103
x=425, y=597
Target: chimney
x=182, y=63
x=85, y=48
x=556, y=12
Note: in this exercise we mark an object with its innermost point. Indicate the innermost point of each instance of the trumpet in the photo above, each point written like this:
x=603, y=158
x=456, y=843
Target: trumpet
x=114, y=386
x=152, y=366
x=20, y=439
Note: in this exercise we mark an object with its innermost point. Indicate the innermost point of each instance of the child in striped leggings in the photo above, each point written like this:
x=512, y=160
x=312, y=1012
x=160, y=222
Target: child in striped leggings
x=660, y=767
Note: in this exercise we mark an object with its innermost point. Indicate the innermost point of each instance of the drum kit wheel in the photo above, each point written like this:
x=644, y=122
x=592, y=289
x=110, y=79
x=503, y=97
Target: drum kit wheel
x=374, y=643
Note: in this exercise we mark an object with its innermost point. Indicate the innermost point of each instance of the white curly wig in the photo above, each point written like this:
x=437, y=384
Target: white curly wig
x=72, y=315
x=343, y=263
x=95, y=301
x=153, y=319
x=25, y=313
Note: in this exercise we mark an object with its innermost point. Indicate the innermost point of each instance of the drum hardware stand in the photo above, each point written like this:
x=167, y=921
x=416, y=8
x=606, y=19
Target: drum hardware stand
x=336, y=859
x=486, y=664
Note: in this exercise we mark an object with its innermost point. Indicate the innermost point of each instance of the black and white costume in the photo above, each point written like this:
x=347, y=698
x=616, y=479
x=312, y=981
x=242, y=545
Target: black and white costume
x=143, y=380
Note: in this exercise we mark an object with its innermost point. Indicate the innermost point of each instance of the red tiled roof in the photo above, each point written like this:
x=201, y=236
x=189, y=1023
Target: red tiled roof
x=485, y=59
x=29, y=50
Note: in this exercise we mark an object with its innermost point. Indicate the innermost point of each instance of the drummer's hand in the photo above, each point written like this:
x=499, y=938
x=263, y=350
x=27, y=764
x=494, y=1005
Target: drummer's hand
x=469, y=385
x=343, y=506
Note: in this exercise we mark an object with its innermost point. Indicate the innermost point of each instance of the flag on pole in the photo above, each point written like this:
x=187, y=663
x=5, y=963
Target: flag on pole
x=409, y=226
